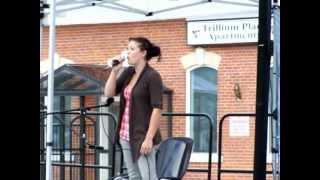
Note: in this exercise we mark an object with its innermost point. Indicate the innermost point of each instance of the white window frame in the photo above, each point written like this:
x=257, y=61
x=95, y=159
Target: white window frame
x=197, y=157
x=269, y=133
x=269, y=136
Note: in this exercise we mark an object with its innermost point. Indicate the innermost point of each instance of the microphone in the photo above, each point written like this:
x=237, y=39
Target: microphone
x=91, y=146
x=109, y=101
x=115, y=62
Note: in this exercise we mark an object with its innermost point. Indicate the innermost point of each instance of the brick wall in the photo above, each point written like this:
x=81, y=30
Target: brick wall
x=93, y=44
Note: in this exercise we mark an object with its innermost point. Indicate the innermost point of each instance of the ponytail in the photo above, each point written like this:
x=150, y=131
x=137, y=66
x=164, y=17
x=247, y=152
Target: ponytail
x=145, y=44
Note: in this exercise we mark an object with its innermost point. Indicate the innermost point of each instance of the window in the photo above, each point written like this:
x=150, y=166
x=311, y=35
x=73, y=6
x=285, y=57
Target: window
x=61, y=124
x=202, y=98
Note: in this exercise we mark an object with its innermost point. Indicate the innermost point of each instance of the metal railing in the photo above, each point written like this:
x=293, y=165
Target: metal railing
x=79, y=167
x=220, y=146
x=210, y=139
x=83, y=115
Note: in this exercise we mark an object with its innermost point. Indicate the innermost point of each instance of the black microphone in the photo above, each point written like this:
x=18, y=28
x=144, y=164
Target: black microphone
x=109, y=101
x=91, y=146
x=123, y=57
x=115, y=62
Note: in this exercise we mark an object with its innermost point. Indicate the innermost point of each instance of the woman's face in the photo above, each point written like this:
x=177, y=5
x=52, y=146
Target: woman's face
x=135, y=55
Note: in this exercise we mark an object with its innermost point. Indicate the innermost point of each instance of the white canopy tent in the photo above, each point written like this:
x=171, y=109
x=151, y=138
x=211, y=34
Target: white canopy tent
x=116, y=11
x=68, y=12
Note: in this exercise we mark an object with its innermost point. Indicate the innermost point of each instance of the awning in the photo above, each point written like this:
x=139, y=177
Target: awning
x=79, y=80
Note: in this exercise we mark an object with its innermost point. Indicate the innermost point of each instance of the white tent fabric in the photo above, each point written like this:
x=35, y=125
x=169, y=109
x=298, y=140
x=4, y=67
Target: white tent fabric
x=115, y=11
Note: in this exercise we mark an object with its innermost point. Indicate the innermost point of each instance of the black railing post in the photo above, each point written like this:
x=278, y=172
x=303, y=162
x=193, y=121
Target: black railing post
x=210, y=147
x=113, y=158
x=71, y=150
x=96, y=141
x=82, y=139
x=42, y=147
x=220, y=147
x=121, y=162
x=62, y=137
x=169, y=117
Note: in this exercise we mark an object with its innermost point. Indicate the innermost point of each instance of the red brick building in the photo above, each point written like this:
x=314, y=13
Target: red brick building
x=232, y=64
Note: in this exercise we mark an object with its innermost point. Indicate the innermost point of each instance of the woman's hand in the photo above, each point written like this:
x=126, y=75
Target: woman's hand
x=117, y=67
x=146, y=147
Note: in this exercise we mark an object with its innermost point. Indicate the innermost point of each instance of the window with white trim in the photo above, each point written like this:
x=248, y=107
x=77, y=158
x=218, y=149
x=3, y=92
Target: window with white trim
x=202, y=98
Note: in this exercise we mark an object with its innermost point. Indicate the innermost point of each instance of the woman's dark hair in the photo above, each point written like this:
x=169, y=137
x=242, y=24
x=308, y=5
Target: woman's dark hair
x=145, y=44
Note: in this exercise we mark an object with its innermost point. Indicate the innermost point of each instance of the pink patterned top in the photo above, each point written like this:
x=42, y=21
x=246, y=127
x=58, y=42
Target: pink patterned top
x=124, y=131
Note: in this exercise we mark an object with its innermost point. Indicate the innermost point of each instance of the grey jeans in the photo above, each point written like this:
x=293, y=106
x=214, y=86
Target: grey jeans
x=144, y=168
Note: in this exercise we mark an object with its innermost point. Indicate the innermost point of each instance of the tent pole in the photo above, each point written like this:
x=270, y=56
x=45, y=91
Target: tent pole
x=49, y=142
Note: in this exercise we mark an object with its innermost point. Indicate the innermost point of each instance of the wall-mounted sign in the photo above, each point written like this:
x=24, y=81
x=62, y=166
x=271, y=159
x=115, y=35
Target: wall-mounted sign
x=225, y=31
x=239, y=126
